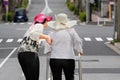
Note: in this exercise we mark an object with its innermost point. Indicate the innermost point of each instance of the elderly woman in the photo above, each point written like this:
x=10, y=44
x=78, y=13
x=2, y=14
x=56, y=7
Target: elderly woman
x=64, y=40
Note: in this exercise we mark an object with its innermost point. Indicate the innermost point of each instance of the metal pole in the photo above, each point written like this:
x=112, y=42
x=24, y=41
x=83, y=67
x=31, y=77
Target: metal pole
x=87, y=11
x=115, y=20
x=6, y=18
x=80, y=66
x=99, y=3
x=6, y=3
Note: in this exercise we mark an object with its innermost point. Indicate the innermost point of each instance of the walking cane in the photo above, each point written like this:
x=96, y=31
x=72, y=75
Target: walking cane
x=79, y=67
x=47, y=66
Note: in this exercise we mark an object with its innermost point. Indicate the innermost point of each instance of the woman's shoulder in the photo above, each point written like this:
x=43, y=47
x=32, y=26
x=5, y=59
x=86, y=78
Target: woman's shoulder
x=38, y=26
x=71, y=29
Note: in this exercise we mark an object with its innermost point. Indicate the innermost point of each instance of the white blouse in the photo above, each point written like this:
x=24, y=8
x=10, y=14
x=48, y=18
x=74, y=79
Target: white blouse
x=35, y=31
x=64, y=42
x=31, y=41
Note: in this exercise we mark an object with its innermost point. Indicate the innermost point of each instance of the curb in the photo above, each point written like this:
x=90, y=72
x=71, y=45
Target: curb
x=113, y=47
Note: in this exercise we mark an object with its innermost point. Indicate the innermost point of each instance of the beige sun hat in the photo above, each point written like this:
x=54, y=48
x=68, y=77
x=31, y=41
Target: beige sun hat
x=61, y=22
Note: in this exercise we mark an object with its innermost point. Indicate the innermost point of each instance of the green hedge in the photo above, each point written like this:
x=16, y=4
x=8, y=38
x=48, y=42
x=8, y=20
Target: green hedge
x=70, y=5
x=82, y=16
x=76, y=11
x=24, y=4
x=9, y=17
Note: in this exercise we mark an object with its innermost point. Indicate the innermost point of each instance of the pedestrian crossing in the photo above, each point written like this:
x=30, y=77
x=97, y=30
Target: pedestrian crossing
x=86, y=39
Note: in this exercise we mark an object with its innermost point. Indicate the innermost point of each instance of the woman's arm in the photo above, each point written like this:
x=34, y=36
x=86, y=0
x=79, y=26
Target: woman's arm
x=77, y=42
x=36, y=33
x=46, y=37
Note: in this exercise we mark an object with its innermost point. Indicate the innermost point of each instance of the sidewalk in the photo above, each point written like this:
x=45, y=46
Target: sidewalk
x=115, y=47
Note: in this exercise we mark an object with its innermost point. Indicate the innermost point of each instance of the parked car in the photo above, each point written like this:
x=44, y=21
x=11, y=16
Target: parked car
x=20, y=15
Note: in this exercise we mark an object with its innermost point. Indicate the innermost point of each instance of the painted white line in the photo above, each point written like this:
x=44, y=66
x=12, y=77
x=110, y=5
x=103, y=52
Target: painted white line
x=7, y=47
x=87, y=39
x=1, y=40
x=21, y=29
x=22, y=23
x=9, y=40
x=29, y=22
x=99, y=39
x=14, y=23
x=3, y=62
x=6, y=23
x=19, y=40
x=109, y=39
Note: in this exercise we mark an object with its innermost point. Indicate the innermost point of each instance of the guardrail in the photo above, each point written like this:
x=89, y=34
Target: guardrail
x=104, y=20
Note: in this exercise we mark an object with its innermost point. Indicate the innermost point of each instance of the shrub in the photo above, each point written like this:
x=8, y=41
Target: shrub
x=71, y=6
x=76, y=11
x=82, y=16
x=9, y=16
x=25, y=4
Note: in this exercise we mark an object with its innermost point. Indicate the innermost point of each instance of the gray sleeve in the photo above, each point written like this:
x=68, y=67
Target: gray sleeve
x=78, y=45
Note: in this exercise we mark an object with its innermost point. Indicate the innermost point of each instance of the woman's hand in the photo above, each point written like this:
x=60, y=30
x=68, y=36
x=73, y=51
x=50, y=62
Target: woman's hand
x=80, y=53
x=47, y=38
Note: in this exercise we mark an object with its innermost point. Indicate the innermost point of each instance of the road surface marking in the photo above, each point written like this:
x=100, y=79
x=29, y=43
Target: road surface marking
x=99, y=39
x=22, y=23
x=3, y=62
x=14, y=23
x=29, y=22
x=109, y=39
x=19, y=40
x=7, y=47
x=87, y=39
x=21, y=28
x=9, y=40
x=1, y=40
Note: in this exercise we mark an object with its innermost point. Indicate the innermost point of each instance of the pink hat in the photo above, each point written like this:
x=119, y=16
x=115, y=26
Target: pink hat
x=41, y=17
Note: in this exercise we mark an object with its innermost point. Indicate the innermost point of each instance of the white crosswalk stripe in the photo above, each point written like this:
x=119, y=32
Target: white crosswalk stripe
x=22, y=23
x=29, y=23
x=9, y=40
x=14, y=23
x=87, y=39
x=99, y=39
x=109, y=38
x=19, y=40
x=1, y=40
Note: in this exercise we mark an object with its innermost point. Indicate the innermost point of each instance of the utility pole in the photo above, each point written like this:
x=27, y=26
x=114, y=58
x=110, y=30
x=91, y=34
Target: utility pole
x=117, y=20
x=6, y=4
x=87, y=11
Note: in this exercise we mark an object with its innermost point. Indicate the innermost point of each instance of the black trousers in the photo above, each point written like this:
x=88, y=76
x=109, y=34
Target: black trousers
x=67, y=65
x=29, y=62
